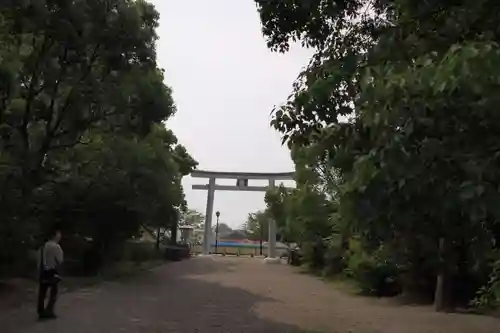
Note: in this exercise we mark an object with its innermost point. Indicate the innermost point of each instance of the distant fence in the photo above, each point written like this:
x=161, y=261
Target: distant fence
x=233, y=248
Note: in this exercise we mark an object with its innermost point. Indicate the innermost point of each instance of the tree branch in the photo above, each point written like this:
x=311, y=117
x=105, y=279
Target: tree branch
x=67, y=103
x=70, y=145
x=89, y=122
x=51, y=131
x=31, y=89
x=64, y=65
x=4, y=102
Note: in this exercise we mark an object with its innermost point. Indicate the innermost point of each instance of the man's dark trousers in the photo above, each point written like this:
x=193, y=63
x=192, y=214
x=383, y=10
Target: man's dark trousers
x=48, y=281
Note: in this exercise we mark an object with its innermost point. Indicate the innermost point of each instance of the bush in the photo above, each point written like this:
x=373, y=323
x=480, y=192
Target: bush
x=313, y=253
x=375, y=274
x=334, y=261
x=139, y=252
x=488, y=297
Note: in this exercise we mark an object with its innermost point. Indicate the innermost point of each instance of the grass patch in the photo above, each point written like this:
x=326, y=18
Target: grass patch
x=338, y=281
x=343, y=284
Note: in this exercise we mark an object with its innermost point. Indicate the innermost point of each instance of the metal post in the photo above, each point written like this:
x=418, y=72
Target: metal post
x=217, y=214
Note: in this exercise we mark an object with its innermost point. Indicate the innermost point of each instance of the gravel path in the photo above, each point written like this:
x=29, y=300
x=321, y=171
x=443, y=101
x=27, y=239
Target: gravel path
x=240, y=295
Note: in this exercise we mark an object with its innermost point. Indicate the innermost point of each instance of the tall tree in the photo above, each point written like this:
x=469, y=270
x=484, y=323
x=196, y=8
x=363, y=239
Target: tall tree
x=257, y=226
x=67, y=67
x=82, y=138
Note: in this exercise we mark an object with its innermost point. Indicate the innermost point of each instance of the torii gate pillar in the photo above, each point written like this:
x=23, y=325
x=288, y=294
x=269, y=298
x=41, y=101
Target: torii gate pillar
x=241, y=185
x=271, y=245
x=207, y=239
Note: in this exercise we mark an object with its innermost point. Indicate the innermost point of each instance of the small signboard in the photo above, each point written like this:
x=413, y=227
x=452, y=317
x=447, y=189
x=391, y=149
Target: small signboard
x=242, y=182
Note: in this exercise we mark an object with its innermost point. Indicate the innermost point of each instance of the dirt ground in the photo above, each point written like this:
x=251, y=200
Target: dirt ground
x=241, y=295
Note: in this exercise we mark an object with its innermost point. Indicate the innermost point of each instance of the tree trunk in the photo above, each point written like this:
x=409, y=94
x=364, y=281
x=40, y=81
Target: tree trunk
x=344, y=247
x=173, y=234
x=415, y=282
x=439, y=292
x=158, y=238
x=344, y=242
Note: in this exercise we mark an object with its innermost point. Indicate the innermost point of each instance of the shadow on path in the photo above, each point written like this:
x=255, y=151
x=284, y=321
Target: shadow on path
x=170, y=298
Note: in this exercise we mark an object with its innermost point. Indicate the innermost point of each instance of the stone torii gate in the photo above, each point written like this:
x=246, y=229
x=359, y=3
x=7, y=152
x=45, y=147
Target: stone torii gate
x=241, y=185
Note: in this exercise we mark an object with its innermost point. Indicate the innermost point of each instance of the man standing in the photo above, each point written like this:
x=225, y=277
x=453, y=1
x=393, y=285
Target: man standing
x=50, y=258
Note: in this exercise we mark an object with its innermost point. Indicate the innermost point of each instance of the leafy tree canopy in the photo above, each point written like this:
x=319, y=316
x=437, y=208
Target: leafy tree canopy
x=399, y=103
x=83, y=107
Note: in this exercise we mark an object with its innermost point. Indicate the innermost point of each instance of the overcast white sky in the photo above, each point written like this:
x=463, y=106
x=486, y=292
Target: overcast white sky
x=225, y=83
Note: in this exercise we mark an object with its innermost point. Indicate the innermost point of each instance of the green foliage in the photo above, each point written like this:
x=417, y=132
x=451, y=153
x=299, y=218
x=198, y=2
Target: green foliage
x=488, y=296
x=334, y=261
x=374, y=273
x=301, y=214
x=257, y=226
x=398, y=108
x=313, y=254
x=193, y=218
x=140, y=252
